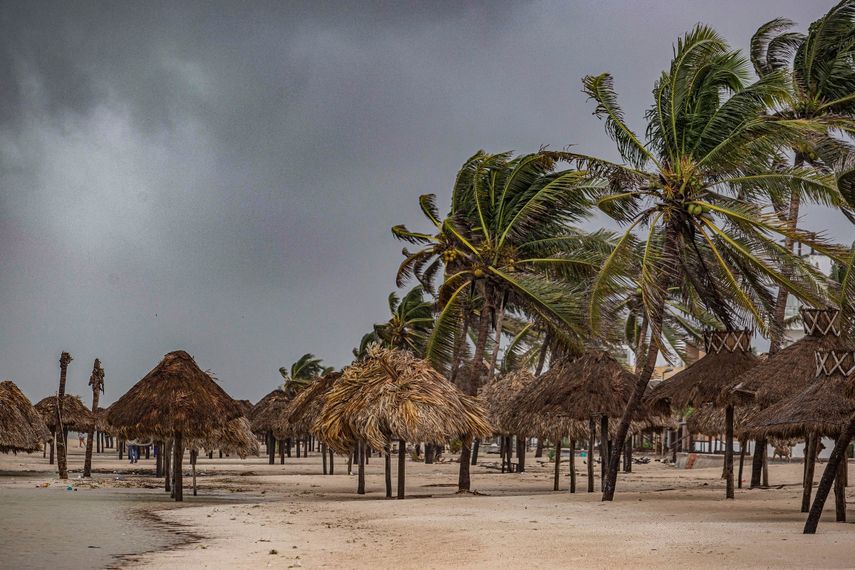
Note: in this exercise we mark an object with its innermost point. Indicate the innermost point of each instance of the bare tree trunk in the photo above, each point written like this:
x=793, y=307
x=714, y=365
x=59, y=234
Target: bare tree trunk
x=360, y=488
x=178, y=468
x=592, y=427
x=838, y=454
x=572, y=465
x=555, y=479
x=61, y=443
x=810, y=465
x=402, y=467
x=730, y=493
x=96, y=381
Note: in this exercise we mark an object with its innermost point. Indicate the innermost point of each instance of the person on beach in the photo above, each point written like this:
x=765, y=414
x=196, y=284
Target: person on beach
x=81, y=439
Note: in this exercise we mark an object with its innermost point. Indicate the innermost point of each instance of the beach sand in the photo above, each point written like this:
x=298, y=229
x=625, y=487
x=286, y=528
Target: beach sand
x=252, y=515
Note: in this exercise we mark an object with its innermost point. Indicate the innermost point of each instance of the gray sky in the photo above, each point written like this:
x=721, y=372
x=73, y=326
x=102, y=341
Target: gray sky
x=222, y=177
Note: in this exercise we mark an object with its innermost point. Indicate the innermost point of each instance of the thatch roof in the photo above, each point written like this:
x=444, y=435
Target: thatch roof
x=267, y=412
x=302, y=411
x=500, y=395
x=707, y=381
x=236, y=438
x=176, y=396
x=392, y=394
x=793, y=368
x=75, y=415
x=709, y=420
x=245, y=406
x=21, y=426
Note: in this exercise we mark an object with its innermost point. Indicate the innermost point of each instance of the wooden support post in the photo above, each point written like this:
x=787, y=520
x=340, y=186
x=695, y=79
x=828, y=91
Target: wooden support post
x=572, y=465
x=402, y=467
x=809, y=469
x=555, y=481
x=728, y=452
x=592, y=427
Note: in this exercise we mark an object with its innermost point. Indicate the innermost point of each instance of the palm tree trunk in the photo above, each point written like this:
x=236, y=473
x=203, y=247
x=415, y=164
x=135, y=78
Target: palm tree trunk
x=360, y=485
x=178, y=468
x=464, y=480
x=655, y=320
x=500, y=317
x=838, y=454
x=592, y=427
x=604, y=449
x=555, y=479
x=457, y=356
x=402, y=467
x=810, y=465
x=61, y=444
x=387, y=464
x=572, y=465
x=728, y=452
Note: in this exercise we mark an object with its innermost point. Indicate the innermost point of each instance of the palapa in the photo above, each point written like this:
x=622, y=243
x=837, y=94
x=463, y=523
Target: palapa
x=21, y=426
x=75, y=415
x=268, y=411
x=305, y=407
x=175, y=401
x=707, y=381
x=499, y=396
x=793, y=368
x=236, y=438
x=392, y=394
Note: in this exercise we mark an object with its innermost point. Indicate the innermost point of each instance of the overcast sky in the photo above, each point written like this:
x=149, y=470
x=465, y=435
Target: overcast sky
x=222, y=177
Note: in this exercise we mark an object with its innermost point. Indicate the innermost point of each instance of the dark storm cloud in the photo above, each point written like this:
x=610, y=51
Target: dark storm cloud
x=221, y=177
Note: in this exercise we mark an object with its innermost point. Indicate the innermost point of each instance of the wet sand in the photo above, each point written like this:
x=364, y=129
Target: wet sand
x=292, y=516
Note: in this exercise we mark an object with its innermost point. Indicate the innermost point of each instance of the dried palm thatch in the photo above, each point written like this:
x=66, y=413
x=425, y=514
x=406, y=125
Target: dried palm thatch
x=245, y=407
x=101, y=420
x=75, y=415
x=790, y=370
x=709, y=420
x=306, y=406
x=708, y=380
x=268, y=411
x=392, y=394
x=21, y=426
x=500, y=395
x=236, y=438
x=175, y=397
x=573, y=390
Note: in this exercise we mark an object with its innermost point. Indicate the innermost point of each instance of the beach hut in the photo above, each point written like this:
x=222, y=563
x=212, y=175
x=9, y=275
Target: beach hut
x=499, y=396
x=788, y=372
x=75, y=417
x=300, y=415
x=264, y=415
x=178, y=402
x=389, y=395
x=706, y=382
x=587, y=388
x=21, y=426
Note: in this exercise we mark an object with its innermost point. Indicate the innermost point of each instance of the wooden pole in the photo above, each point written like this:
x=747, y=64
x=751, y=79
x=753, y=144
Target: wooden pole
x=193, y=455
x=332, y=461
x=271, y=448
x=809, y=469
x=743, y=443
x=167, y=466
x=360, y=485
x=840, y=491
x=757, y=462
x=555, y=479
x=402, y=467
x=728, y=451
x=281, y=445
x=387, y=466
x=324, y=455
x=604, y=449
x=52, y=444
x=178, y=468
x=592, y=427
x=521, y=451
x=572, y=465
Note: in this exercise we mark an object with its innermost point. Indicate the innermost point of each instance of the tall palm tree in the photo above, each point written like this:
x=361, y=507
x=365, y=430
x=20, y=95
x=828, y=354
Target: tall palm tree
x=694, y=191
x=506, y=242
x=96, y=381
x=59, y=437
x=821, y=81
x=302, y=372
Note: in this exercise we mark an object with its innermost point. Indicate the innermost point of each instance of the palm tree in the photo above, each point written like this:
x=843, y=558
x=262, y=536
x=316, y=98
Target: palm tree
x=410, y=322
x=96, y=381
x=302, y=372
x=693, y=189
x=821, y=83
x=506, y=242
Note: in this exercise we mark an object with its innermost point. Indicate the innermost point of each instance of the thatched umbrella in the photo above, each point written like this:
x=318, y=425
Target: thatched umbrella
x=304, y=408
x=835, y=371
x=175, y=401
x=236, y=438
x=586, y=388
x=499, y=397
x=786, y=373
x=75, y=417
x=22, y=428
x=392, y=394
x=264, y=415
x=245, y=406
x=706, y=382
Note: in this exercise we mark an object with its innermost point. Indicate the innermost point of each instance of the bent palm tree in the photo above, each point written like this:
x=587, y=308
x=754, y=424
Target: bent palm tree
x=822, y=83
x=693, y=190
x=410, y=323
